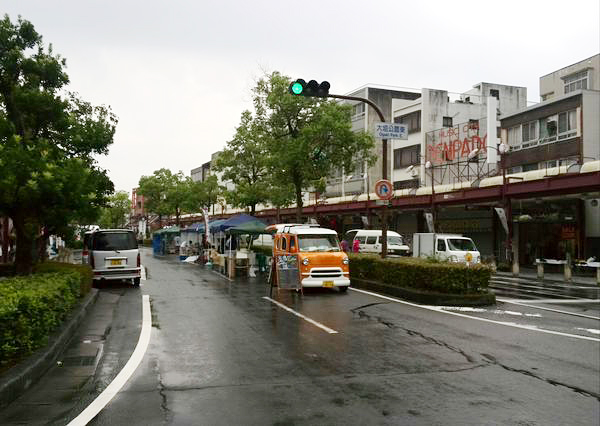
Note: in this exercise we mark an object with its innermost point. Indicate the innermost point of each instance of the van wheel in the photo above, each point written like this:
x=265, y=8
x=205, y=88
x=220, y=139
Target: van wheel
x=343, y=289
x=136, y=282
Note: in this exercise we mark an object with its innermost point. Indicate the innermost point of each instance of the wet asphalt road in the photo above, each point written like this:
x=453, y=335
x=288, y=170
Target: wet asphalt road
x=222, y=354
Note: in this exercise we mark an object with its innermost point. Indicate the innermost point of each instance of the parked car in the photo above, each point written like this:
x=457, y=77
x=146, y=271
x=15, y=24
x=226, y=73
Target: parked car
x=113, y=254
x=370, y=241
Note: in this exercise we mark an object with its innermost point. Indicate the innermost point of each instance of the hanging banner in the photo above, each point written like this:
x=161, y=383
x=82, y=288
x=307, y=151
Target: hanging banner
x=502, y=216
x=429, y=220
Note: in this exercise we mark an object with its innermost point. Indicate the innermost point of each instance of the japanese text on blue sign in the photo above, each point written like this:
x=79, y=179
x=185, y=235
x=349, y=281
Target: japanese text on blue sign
x=391, y=131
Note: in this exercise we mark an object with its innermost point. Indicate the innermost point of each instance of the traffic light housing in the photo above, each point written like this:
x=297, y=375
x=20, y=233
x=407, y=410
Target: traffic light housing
x=300, y=87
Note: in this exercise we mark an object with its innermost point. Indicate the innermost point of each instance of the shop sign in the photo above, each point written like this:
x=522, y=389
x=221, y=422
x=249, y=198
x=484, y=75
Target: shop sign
x=454, y=143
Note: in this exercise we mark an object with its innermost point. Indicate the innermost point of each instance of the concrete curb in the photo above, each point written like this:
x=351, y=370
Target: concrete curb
x=15, y=381
x=427, y=298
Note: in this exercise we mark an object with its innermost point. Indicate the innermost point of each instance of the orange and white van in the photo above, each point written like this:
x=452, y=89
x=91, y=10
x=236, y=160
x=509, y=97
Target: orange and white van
x=321, y=262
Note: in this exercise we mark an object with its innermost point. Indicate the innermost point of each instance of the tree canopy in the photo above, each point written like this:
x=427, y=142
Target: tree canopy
x=115, y=214
x=48, y=138
x=290, y=144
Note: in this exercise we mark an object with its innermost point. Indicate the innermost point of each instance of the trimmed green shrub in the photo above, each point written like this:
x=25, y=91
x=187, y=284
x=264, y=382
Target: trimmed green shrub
x=84, y=271
x=422, y=274
x=31, y=307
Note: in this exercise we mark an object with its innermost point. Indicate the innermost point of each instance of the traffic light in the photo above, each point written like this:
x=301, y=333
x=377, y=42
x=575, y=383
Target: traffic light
x=312, y=88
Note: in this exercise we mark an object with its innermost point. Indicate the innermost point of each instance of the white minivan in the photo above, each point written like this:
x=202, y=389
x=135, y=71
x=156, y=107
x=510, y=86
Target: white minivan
x=113, y=254
x=370, y=241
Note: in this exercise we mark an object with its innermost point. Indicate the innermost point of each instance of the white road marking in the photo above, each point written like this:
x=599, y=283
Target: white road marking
x=437, y=309
x=143, y=272
x=313, y=322
x=115, y=386
x=516, y=302
x=557, y=301
x=590, y=330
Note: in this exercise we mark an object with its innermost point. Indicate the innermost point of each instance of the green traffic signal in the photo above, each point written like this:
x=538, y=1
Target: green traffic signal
x=297, y=88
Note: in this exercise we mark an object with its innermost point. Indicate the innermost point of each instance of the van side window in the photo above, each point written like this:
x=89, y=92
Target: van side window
x=292, y=243
x=361, y=239
x=283, y=243
x=441, y=245
x=277, y=242
x=372, y=239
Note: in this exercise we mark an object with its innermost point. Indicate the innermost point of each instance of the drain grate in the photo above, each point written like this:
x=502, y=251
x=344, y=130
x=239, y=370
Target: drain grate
x=78, y=361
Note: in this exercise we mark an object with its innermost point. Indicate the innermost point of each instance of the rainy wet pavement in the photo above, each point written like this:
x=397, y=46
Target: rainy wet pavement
x=222, y=354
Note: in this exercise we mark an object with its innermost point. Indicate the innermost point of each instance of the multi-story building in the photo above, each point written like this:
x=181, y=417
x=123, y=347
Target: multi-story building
x=561, y=131
x=199, y=174
x=445, y=132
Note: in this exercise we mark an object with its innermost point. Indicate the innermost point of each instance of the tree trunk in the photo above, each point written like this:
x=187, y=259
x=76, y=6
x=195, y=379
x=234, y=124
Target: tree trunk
x=25, y=246
x=299, y=204
x=277, y=214
x=252, y=209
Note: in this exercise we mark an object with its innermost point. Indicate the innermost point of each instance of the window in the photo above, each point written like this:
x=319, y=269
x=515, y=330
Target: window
x=318, y=242
x=529, y=134
x=404, y=157
x=495, y=93
x=514, y=137
x=529, y=167
x=372, y=239
x=548, y=129
x=358, y=110
x=567, y=124
x=107, y=241
x=516, y=169
x=447, y=122
x=361, y=239
x=461, y=244
x=576, y=81
x=283, y=243
x=441, y=245
x=292, y=243
x=412, y=121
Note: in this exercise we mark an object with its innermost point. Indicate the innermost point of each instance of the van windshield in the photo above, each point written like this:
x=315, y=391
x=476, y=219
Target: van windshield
x=394, y=240
x=114, y=241
x=317, y=242
x=461, y=244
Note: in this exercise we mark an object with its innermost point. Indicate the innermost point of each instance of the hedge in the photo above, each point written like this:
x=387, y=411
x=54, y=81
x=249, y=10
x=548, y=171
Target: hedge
x=31, y=307
x=421, y=274
x=84, y=271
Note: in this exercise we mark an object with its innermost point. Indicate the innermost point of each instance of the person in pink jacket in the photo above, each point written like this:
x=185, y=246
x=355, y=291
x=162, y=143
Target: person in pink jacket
x=355, y=246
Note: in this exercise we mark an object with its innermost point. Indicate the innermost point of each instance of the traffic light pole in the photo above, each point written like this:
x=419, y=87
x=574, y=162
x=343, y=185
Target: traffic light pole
x=384, y=171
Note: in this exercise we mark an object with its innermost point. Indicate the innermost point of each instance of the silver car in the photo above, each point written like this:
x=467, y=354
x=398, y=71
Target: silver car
x=113, y=254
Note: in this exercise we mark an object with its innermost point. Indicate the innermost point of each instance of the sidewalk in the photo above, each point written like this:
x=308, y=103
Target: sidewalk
x=553, y=277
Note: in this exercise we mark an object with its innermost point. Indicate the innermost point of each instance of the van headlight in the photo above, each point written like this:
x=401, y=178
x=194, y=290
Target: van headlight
x=345, y=261
x=305, y=261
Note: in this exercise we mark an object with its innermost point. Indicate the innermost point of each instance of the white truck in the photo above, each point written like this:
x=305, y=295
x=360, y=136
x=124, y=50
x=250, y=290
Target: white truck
x=452, y=247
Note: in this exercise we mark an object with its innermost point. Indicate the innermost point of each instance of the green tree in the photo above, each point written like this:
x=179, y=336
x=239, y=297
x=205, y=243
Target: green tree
x=165, y=193
x=308, y=138
x=202, y=195
x=116, y=214
x=47, y=141
x=244, y=162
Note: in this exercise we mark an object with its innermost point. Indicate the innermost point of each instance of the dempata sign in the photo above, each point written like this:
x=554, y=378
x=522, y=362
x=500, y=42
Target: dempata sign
x=452, y=144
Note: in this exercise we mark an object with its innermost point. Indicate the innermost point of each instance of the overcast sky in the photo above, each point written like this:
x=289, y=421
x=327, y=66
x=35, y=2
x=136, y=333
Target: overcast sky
x=178, y=74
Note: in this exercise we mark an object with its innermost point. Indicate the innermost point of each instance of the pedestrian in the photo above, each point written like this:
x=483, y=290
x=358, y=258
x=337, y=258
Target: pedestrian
x=344, y=245
x=355, y=246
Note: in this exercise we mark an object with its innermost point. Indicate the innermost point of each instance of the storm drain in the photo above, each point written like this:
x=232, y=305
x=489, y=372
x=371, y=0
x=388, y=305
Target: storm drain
x=78, y=361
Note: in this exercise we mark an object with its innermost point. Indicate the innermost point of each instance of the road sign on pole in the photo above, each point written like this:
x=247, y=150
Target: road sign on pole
x=384, y=189
x=391, y=131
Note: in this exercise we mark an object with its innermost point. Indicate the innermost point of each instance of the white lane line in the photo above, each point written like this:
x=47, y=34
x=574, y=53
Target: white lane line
x=115, y=386
x=313, y=322
x=508, y=324
x=558, y=301
x=143, y=272
x=514, y=302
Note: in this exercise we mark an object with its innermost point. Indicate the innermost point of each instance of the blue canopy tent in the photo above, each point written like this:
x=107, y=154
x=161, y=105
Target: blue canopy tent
x=231, y=222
